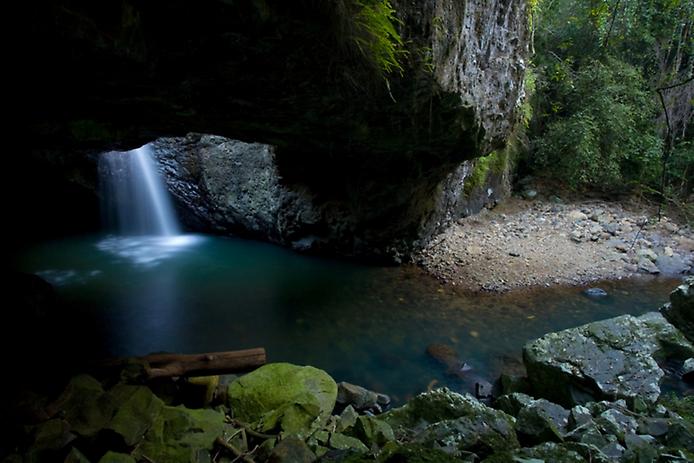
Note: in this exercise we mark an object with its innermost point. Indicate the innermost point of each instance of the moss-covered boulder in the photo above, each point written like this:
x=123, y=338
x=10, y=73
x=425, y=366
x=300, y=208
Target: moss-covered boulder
x=127, y=410
x=373, y=432
x=75, y=456
x=283, y=396
x=453, y=423
x=136, y=409
x=181, y=435
x=84, y=406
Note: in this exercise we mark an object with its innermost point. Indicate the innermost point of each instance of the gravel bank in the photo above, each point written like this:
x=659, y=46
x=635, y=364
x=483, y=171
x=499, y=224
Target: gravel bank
x=530, y=243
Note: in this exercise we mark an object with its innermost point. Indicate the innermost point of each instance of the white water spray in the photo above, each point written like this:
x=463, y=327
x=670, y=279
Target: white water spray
x=135, y=199
x=137, y=207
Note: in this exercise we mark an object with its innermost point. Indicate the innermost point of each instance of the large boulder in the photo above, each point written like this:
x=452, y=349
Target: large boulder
x=453, y=423
x=291, y=398
x=680, y=310
x=230, y=186
x=610, y=359
x=127, y=410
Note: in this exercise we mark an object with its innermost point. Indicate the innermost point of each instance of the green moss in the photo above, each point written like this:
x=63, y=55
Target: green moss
x=496, y=163
x=530, y=85
x=285, y=396
x=683, y=406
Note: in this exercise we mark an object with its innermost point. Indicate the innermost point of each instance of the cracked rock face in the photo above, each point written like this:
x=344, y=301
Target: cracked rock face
x=487, y=68
x=610, y=359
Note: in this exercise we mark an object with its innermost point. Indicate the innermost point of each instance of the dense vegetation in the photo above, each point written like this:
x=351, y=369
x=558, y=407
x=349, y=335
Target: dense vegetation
x=598, y=71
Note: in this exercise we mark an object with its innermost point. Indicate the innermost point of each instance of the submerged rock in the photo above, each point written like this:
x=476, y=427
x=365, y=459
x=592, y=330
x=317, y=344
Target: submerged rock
x=595, y=293
x=610, y=359
x=281, y=395
x=680, y=310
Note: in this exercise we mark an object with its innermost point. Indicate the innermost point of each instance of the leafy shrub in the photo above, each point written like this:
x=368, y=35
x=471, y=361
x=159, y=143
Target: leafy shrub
x=602, y=134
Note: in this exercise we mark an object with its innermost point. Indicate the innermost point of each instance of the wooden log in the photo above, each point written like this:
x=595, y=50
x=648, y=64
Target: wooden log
x=211, y=363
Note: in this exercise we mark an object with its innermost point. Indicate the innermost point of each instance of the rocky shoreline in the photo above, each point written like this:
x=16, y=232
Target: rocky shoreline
x=524, y=243
x=592, y=393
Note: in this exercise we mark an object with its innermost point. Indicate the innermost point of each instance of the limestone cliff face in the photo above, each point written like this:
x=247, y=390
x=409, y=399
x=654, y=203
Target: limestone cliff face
x=478, y=50
x=380, y=165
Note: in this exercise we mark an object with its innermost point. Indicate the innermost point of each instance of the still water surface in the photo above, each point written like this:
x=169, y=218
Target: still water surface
x=367, y=325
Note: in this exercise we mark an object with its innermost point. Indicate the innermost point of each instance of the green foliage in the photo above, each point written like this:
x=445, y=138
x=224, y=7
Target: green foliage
x=375, y=35
x=530, y=85
x=680, y=169
x=603, y=134
x=595, y=119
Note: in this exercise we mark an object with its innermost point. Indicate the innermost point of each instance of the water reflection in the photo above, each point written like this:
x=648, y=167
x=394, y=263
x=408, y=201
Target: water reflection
x=68, y=276
x=147, y=251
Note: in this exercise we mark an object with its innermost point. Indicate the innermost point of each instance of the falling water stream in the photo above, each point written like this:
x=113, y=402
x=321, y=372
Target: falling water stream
x=137, y=208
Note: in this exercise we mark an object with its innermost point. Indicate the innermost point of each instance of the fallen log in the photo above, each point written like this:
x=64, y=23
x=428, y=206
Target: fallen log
x=212, y=363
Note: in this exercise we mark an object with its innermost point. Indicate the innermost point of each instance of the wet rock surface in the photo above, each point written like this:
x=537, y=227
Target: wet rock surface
x=611, y=359
x=680, y=310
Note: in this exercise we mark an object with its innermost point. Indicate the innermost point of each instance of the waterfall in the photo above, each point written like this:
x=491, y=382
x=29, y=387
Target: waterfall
x=135, y=200
x=137, y=209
